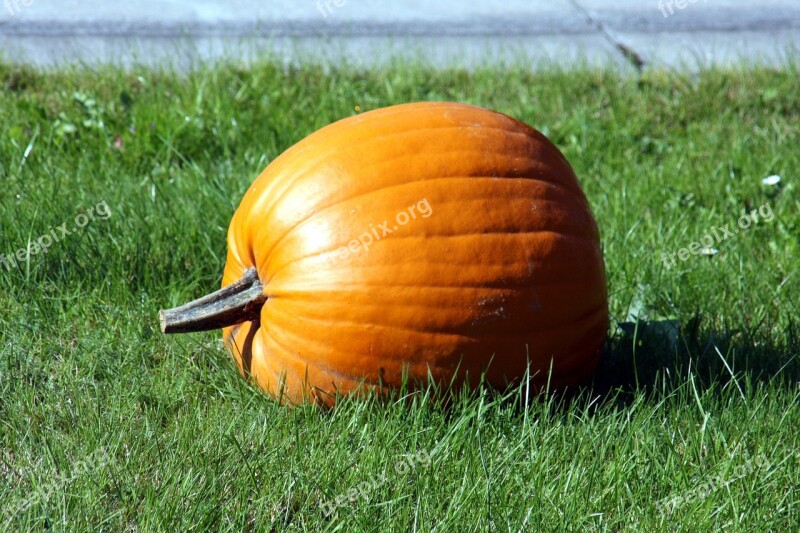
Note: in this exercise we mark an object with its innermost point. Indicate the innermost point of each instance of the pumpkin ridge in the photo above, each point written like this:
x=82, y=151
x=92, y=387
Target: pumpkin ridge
x=319, y=364
x=456, y=336
x=579, y=202
x=290, y=181
x=481, y=151
x=576, y=194
x=395, y=111
x=565, y=324
x=356, y=300
x=561, y=368
x=262, y=267
x=288, y=293
x=312, y=164
x=298, y=173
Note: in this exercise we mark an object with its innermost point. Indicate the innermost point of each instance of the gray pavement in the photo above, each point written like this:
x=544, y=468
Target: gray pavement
x=631, y=34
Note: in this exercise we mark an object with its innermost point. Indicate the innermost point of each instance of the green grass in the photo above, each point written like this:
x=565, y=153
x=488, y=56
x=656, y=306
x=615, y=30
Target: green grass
x=107, y=424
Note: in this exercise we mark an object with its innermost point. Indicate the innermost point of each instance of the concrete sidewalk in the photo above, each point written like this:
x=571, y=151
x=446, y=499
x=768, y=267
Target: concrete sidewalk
x=628, y=33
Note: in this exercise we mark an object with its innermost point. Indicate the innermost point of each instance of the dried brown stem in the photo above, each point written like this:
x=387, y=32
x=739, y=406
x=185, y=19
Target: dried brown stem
x=241, y=301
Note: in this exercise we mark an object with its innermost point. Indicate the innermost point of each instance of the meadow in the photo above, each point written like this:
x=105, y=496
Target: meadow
x=692, y=421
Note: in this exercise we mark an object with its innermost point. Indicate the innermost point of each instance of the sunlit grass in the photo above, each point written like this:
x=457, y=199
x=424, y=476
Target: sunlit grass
x=105, y=423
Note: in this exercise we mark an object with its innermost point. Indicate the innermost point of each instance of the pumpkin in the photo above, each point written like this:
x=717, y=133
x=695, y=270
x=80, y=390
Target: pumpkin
x=425, y=240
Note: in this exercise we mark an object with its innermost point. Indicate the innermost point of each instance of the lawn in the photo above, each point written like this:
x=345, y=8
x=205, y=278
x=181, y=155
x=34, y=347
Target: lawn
x=693, y=420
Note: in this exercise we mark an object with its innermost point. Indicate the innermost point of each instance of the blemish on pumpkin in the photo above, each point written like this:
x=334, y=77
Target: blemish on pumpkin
x=492, y=309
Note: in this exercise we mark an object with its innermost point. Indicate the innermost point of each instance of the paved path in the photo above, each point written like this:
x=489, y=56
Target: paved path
x=629, y=33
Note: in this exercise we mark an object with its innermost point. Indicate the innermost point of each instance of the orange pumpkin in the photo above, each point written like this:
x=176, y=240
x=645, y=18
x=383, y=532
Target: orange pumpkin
x=435, y=239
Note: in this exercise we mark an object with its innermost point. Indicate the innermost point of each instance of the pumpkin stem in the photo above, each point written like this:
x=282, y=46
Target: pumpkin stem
x=241, y=301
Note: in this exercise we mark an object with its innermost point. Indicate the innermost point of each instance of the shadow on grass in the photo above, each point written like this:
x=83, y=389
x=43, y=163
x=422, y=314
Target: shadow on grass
x=659, y=356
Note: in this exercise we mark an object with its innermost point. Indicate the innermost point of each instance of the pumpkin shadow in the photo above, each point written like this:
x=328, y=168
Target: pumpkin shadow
x=658, y=357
